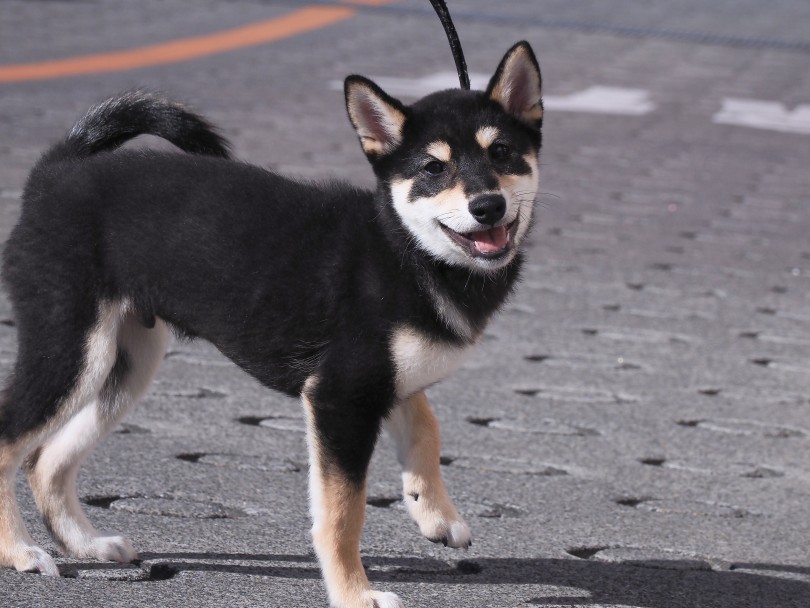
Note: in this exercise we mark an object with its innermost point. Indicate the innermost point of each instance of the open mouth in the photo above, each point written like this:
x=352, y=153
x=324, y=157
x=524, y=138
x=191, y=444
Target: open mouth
x=491, y=243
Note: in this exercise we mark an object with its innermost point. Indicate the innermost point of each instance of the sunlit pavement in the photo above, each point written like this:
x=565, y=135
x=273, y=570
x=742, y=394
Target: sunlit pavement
x=634, y=430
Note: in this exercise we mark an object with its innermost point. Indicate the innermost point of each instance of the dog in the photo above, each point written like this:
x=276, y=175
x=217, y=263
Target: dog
x=355, y=301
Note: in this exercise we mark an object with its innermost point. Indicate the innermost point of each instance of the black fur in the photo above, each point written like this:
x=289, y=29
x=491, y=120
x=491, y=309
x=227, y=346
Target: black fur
x=119, y=119
x=288, y=279
x=213, y=249
x=446, y=116
x=51, y=259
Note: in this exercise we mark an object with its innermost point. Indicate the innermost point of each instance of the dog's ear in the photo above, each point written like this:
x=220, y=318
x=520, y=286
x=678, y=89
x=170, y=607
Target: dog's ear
x=517, y=85
x=377, y=117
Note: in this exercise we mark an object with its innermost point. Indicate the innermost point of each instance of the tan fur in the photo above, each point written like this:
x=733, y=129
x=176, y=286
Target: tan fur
x=17, y=550
x=391, y=120
x=452, y=198
x=415, y=430
x=401, y=189
x=521, y=190
x=440, y=150
x=16, y=547
x=502, y=92
x=449, y=312
x=421, y=361
x=338, y=509
x=518, y=185
x=534, y=114
x=486, y=136
x=422, y=215
x=371, y=145
x=337, y=539
x=52, y=475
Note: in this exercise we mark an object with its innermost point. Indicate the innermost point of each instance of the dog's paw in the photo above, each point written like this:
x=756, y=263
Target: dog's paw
x=112, y=549
x=455, y=534
x=34, y=559
x=369, y=599
x=440, y=522
x=381, y=599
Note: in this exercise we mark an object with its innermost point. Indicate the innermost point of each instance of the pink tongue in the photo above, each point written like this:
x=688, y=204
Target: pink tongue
x=490, y=241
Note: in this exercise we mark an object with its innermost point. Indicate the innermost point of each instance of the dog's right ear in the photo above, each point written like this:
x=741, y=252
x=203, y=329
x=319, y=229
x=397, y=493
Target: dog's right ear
x=377, y=117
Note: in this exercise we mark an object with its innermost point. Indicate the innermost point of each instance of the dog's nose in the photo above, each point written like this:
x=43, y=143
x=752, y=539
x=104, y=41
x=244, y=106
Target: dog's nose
x=488, y=208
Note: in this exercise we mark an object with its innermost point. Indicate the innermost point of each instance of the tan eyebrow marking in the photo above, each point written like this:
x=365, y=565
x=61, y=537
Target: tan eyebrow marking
x=440, y=150
x=486, y=136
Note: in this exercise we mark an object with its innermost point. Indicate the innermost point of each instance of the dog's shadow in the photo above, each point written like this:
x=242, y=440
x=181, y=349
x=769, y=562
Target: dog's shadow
x=572, y=582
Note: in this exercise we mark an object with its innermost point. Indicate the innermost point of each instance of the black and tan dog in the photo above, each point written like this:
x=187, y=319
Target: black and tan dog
x=354, y=300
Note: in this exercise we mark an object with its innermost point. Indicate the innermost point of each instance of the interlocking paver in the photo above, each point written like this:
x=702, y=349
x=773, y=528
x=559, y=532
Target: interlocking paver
x=634, y=428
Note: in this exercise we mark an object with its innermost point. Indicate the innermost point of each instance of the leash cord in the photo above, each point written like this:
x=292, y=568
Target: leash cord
x=455, y=45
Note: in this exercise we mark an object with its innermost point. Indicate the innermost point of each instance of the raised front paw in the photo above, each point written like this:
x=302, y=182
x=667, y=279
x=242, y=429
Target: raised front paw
x=455, y=534
x=439, y=521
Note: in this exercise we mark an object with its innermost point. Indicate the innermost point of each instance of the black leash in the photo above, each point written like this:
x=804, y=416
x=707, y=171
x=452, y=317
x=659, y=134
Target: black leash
x=455, y=46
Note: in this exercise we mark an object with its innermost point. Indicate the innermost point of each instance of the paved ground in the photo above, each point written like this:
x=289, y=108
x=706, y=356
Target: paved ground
x=634, y=431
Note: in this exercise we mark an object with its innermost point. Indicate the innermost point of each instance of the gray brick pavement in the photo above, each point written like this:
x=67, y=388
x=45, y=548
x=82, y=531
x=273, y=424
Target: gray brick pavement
x=634, y=431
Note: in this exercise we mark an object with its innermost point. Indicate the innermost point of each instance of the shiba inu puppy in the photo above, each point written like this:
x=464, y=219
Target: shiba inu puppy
x=355, y=301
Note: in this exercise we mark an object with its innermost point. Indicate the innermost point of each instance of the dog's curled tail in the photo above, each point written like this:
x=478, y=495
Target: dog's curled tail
x=111, y=123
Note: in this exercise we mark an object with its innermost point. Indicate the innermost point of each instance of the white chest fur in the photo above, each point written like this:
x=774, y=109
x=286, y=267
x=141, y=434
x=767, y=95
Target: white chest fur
x=421, y=360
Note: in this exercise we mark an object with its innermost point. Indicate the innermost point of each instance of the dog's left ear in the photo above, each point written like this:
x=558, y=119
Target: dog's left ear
x=378, y=118
x=517, y=85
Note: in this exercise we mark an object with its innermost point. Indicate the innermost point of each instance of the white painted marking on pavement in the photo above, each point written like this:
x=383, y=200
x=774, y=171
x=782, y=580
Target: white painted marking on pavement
x=770, y=115
x=603, y=100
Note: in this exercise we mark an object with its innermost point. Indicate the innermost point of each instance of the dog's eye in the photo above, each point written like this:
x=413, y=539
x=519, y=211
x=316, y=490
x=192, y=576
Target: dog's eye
x=499, y=152
x=434, y=167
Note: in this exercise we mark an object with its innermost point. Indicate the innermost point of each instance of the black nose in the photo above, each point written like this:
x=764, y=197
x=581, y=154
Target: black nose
x=488, y=208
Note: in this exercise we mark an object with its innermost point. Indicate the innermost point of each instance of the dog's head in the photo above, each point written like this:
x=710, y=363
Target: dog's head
x=460, y=167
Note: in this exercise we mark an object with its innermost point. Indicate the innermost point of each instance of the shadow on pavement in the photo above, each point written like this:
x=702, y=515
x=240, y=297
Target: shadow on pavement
x=571, y=582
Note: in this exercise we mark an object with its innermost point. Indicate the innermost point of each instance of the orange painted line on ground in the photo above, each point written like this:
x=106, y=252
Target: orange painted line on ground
x=367, y=2
x=298, y=22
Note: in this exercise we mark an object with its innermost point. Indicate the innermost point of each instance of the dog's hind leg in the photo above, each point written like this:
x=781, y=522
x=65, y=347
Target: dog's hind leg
x=415, y=431
x=53, y=468
x=63, y=358
x=17, y=549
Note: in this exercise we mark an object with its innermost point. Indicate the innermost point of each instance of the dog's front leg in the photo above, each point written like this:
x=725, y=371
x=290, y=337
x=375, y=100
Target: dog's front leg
x=340, y=446
x=415, y=430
